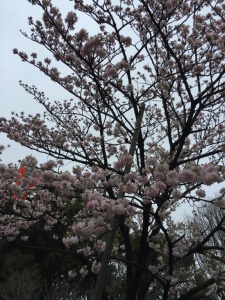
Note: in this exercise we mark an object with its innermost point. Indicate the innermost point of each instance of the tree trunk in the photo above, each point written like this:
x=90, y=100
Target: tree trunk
x=102, y=276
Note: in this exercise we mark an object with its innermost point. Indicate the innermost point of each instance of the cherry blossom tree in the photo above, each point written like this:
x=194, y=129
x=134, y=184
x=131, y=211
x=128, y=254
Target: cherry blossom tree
x=144, y=129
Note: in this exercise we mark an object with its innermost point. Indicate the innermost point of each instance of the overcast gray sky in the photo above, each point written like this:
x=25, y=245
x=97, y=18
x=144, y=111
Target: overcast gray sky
x=13, y=18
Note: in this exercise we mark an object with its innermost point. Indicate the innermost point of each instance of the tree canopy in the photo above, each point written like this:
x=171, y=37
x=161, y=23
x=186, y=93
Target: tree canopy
x=144, y=129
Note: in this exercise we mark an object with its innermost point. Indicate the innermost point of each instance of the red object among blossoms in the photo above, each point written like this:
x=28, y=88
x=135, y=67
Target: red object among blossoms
x=24, y=186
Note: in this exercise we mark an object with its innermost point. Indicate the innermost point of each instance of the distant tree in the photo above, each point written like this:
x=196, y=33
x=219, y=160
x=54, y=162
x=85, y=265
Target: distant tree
x=145, y=132
x=19, y=276
x=212, y=257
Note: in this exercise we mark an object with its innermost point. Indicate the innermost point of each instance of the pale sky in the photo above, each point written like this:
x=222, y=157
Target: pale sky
x=13, y=18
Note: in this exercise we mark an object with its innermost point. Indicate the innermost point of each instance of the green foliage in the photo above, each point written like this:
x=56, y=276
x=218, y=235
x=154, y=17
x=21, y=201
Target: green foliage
x=25, y=285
